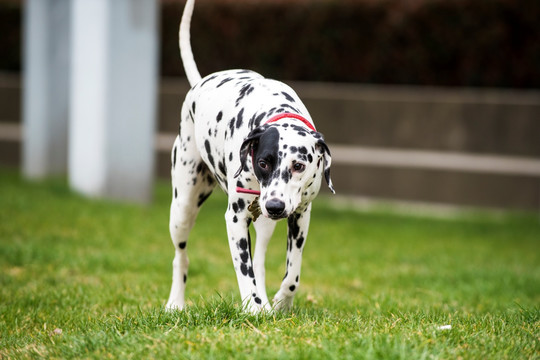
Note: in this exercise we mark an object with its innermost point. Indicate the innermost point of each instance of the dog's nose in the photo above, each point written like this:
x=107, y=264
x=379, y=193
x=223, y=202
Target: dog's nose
x=275, y=207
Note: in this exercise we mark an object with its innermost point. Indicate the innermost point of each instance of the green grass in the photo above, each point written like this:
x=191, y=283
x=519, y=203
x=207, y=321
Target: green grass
x=88, y=278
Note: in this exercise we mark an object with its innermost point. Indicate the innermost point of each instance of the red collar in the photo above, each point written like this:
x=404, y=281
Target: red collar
x=271, y=120
x=291, y=116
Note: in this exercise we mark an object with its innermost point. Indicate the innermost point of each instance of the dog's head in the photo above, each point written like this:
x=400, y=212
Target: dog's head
x=289, y=162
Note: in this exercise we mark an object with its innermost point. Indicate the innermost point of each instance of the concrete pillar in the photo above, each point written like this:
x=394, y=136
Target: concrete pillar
x=46, y=87
x=113, y=98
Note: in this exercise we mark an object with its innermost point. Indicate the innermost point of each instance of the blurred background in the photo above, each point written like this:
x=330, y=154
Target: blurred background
x=422, y=101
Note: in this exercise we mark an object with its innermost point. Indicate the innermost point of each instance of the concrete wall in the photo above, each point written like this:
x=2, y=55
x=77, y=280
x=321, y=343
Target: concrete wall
x=470, y=147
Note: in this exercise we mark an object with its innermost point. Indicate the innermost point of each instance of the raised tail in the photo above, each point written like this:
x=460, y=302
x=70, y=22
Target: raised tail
x=186, y=53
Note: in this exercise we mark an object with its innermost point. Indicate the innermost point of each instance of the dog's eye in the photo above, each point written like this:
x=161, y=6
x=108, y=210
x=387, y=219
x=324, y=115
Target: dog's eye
x=263, y=164
x=299, y=167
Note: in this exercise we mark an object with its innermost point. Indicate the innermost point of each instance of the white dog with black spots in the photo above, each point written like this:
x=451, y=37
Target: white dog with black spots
x=253, y=137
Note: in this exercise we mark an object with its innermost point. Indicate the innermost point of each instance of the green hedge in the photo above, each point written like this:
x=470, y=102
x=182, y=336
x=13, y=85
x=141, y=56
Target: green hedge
x=427, y=42
x=434, y=42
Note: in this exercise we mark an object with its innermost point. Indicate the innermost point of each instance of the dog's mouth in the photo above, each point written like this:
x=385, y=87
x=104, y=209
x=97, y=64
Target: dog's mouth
x=277, y=217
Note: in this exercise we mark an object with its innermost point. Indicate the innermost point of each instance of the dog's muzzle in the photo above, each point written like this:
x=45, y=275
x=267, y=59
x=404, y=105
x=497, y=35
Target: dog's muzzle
x=275, y=208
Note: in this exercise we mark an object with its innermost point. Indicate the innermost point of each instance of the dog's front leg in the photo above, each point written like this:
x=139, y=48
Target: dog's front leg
x=237, y=219
x=298, y=224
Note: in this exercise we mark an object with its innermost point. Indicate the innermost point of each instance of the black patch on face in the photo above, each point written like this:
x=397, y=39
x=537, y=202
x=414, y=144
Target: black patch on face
x=286, y=176
x=267, y=150
x=294, y=149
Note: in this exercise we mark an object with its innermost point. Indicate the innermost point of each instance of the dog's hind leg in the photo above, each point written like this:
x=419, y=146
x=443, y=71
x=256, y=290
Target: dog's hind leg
x=264, y=228
x=192, y=183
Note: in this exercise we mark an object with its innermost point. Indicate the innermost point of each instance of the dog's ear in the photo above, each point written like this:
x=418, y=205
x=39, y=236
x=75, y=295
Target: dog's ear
x=327, y=162
x=249, y=145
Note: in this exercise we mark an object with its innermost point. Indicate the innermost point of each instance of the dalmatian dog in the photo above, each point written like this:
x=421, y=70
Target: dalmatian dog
x=254, y=138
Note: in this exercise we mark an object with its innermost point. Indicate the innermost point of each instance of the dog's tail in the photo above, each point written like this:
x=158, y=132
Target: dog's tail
x=190, y=67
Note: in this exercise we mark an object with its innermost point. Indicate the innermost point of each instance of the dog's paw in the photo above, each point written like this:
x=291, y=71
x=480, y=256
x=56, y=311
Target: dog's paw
x=174, y=305
x=283, y=303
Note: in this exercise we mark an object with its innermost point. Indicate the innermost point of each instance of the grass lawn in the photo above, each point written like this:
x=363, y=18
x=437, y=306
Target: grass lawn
x=88, y=278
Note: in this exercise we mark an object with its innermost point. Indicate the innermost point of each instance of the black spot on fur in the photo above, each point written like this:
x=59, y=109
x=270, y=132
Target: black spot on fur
x=258, y=300
x=243, y=244
x=292, y=288
x=174, y=156
x=208, y=79
x=182, y=245
x=202, y=198
x=241, y=204
x=219, y=116
x=287, y=106
x=244, y=91
x=244, y=256
x=175, y=193
x=240, y=119
x=256, y=120
x=286, y=176
x=292, y=223
x=224, y=82
x=287, y=96
x=244, y=269
x=222, y=168
x=231, y=126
